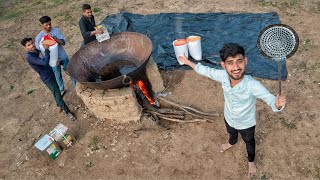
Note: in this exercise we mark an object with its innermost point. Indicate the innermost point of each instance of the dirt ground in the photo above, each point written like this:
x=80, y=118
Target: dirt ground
x=288, y=143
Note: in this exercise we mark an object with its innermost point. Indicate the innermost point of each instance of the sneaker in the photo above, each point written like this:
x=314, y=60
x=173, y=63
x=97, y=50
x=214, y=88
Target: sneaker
x=62, y=93
x=71, y=116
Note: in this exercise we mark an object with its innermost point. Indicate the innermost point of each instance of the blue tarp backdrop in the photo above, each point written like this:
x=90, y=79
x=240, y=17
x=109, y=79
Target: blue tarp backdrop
x=215, y=30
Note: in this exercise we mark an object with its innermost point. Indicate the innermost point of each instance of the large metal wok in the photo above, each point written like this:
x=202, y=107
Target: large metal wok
x=112, y=63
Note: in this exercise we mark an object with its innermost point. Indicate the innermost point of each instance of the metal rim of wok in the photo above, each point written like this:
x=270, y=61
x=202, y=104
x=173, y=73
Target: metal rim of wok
x=278, y=41
x=128, y=46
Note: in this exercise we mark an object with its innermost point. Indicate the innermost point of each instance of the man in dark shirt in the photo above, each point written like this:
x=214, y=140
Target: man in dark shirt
x=87, y=25
x=42, y=67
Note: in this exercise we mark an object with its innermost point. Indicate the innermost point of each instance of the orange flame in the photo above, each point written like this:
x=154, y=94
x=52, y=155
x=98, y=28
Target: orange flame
x=145, y=92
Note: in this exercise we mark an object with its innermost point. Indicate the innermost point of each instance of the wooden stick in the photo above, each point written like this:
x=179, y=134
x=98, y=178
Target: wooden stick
x=185, y=121
x=165, y=115
x=190, y=113
x=186, y=109
x=170, y=111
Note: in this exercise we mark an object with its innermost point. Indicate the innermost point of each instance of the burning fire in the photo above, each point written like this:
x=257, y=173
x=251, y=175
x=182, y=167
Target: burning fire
x=145, y=92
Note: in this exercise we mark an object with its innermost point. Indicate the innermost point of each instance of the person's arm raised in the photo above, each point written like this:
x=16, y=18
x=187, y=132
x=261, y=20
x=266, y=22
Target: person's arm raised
x=187, y=61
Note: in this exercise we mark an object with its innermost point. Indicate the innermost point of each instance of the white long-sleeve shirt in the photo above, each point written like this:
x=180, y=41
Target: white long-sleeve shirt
x=240, y=100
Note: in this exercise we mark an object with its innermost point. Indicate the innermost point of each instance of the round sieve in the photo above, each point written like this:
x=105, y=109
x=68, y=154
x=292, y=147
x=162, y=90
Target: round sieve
x=278, y=42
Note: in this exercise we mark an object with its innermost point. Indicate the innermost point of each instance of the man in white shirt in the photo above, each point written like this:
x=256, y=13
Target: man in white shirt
x=240, y=94
x=56, y=34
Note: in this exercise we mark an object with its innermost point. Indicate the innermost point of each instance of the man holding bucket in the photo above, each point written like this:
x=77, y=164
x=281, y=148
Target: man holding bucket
x=63, y=59
x=240, y=94
x=42, y=67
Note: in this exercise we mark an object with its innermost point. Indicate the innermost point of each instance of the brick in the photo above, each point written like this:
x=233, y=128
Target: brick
x=135, y=112
x=97, y=94
x=112, y=93
x=81, y=87
x=154, y=76
x=130, y=100
x=85, y=93
x=116, y=104
x=127, y=91
x=107, y=102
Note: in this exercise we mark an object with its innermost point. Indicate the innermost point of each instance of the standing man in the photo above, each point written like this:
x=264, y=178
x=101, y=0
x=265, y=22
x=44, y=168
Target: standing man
x=42, y=67
x=56, y=34
x=240, y=95
x=87, y=25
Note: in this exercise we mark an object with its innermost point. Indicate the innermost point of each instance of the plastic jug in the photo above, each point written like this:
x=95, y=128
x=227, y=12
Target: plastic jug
x=104, y=36
x=48, y=146
x=194, y=46
x=62, y=136
x=53, y=48
x=180, y=49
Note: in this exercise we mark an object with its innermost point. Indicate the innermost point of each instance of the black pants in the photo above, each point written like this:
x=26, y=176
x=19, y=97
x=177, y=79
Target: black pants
x=54, y=88
x=247, y=136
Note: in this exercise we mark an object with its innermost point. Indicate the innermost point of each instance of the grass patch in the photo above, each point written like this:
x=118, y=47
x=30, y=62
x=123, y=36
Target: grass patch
x=12, y=15
x=108, y=4
x=293, y=2
x=288, y=4
x=67, y=17
x=264, y=177
x=287, y=124
x=94, y=143
x=279, y=4
x=20, y=8
x=57, y=2
x=30, y=91
x=264, y=2
x=97, y=10
x=318, y=9
x=302, y=66
x=9, y=43
x=301, y=83
x=306, y=44
x=123, y=9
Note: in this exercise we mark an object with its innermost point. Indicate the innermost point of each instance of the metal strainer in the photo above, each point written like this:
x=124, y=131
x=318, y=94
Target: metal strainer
x=278, y=42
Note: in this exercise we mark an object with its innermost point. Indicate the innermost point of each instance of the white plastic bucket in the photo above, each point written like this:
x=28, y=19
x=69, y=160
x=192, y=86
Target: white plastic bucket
x=180, y=49
x=194, y=46
x=53, y=51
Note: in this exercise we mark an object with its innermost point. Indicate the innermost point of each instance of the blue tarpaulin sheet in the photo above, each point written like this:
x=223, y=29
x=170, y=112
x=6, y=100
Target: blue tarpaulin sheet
x=215, y=29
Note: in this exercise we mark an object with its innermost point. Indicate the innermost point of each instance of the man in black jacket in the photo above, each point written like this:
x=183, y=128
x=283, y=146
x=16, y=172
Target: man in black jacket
x=42, y=67
x=87, y=25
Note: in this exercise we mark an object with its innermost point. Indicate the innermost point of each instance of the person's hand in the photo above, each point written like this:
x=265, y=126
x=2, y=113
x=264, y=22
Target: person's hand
x=98, y=31
x=45, y=46
x=280, y=101
x=183, y=59
x=186, y=61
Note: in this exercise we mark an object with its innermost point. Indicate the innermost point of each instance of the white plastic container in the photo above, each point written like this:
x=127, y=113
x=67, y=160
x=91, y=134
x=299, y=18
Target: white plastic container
x=48, y=147
x=180, y=49
x=194, y=46
x=53, y=48
x=62, y=136
x=104, y=36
